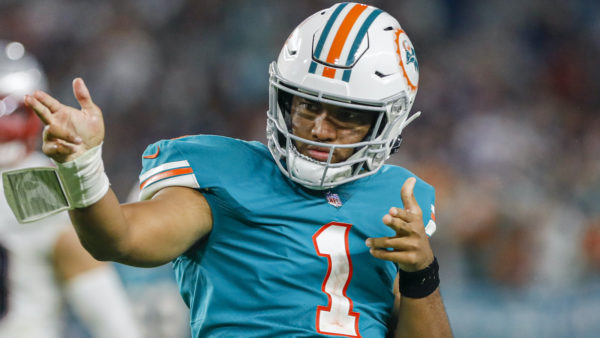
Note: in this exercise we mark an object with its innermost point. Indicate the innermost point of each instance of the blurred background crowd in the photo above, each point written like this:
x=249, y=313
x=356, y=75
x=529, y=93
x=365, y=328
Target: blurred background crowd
x=509, y=136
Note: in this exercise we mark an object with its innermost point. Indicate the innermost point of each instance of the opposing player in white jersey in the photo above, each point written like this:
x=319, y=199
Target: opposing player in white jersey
x=42, y=264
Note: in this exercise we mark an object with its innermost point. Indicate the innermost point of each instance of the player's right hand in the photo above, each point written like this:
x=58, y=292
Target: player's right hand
x=68, y=132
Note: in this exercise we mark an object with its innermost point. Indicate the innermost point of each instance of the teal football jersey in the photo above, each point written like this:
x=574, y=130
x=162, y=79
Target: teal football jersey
x=281, y=260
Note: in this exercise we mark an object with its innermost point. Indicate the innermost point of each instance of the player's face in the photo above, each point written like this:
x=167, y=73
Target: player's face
x=328, y=123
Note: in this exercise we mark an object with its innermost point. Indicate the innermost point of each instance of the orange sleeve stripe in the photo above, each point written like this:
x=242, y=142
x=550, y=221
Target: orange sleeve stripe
x=341, y=36
x=182, y=136
x=155, y=155
x=166, y=174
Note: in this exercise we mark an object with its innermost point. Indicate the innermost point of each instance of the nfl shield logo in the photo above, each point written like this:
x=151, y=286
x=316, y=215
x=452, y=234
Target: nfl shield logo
x=333, y=199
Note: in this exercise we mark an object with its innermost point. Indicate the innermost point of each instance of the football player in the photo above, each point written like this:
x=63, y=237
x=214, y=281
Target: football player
x=42, y=264
x=310, y=235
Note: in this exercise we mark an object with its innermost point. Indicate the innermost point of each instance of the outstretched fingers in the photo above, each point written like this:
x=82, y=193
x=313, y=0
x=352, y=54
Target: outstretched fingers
x=42, y=111
x=82, y=94
x=394, y=255
x=408, y=196
x=69, y=132
x=390, y=243
x=45, y=106
x=400, y=227
x=48, y=101
x=406, y=223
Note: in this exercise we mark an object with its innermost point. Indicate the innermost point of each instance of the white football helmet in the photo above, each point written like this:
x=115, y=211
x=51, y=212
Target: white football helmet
x=20, y=74
x=351, y=55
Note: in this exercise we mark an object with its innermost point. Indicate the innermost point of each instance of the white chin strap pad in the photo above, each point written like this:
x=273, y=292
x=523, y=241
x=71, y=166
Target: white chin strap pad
x=312, y=171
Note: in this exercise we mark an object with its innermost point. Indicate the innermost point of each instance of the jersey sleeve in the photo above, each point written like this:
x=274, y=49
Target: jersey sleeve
x=204, y=162
x=163, y=165
x=425, y=195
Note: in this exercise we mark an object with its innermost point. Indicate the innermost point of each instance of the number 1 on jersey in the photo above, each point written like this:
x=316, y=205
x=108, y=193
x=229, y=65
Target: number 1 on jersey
x=338, y=317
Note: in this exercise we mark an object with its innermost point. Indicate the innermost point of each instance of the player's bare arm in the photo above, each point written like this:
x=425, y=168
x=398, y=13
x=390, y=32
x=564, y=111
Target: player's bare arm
x=411, y=251
x=144, y=234
x=147, y=233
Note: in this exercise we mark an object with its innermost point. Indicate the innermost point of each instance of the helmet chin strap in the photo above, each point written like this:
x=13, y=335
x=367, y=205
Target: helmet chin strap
x=308, y=170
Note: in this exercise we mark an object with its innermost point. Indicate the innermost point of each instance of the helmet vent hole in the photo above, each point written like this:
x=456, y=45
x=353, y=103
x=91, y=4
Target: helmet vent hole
x=388, y=28
x=323, y=13
x=293, y=52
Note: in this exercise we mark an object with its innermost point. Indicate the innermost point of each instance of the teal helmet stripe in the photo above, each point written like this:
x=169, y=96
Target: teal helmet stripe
x=324, y=34
x=313, y=67
x=358, y=40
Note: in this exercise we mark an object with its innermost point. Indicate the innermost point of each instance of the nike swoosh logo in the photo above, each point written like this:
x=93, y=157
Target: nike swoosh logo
x=381, y=75
x=155, y=155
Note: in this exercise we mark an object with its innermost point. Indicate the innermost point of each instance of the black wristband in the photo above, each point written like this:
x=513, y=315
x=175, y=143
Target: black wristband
x=422, y=283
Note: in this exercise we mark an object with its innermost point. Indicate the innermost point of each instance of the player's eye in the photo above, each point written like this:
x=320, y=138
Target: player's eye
x=349, y=116
x=309, y=105
x=354, y=117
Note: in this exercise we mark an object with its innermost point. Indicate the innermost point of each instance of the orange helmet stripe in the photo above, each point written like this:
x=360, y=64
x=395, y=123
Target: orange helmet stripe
x=341, y=36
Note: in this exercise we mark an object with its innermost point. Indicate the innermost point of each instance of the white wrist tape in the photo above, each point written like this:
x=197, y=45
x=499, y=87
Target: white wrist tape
x=84, y=179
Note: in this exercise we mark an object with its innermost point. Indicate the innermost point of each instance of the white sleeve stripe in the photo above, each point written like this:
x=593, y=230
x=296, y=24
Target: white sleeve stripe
x=188, y=181
x=430, y=228
x=163, y=167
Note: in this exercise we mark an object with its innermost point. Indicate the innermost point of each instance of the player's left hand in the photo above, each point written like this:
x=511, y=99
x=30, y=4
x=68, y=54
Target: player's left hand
x=410, y=247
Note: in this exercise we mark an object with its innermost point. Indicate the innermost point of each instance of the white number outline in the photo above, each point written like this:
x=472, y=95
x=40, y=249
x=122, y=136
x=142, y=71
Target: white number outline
x=320, y=308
